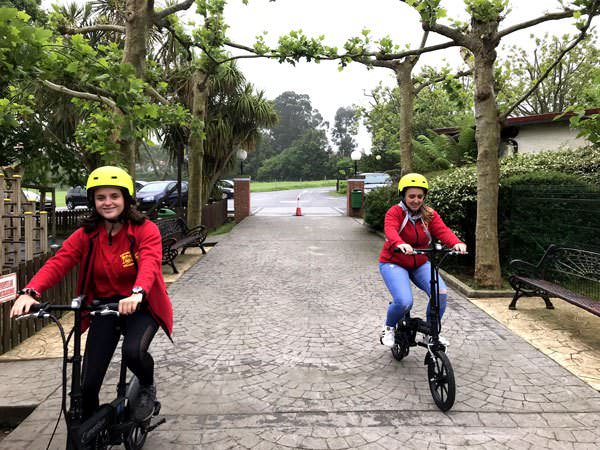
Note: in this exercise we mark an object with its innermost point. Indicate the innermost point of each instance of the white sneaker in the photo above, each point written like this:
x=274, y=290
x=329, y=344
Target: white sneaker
x=389, y=337
x=426, y=340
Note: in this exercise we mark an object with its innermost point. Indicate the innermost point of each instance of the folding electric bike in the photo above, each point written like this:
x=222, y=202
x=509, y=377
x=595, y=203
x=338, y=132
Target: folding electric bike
x=112, y=423
x=439, y=370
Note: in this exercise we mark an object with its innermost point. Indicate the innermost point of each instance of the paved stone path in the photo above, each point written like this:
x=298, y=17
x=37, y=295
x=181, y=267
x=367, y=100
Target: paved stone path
x=276, y=347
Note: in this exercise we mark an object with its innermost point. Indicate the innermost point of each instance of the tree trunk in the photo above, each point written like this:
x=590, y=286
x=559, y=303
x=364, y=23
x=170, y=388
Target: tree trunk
x=407, y=96
x=138, y=16
x=487, y=261
x=196, y=149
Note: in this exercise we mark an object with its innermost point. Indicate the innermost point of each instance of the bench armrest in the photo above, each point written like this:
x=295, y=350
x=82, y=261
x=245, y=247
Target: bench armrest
x=520, y=267
x=199, y=231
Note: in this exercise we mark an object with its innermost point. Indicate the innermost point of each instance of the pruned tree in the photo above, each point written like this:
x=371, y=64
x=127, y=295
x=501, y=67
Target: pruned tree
x=482, y=37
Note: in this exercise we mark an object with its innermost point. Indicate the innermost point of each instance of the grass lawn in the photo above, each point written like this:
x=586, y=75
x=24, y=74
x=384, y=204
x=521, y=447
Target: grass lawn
x=264, y=186
x=60, y=198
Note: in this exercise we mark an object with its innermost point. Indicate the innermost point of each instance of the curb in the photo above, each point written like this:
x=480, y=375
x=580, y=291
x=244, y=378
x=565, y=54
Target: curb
x=455, y=283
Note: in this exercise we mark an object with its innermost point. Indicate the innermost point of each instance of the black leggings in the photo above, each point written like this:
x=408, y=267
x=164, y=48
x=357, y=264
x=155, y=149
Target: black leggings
x=138, y=330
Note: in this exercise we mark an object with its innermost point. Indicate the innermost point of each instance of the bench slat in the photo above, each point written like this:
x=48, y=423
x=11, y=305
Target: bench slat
x=555, y=290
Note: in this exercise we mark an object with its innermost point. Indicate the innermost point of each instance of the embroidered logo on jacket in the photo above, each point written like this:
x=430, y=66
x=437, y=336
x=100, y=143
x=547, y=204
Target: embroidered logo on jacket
x=126, y=259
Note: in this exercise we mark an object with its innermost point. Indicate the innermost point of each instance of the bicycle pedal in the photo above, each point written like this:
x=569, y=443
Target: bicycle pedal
x=156, y=424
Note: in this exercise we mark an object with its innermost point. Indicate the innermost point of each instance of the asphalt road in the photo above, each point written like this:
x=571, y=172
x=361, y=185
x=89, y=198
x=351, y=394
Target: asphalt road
x=312, y=202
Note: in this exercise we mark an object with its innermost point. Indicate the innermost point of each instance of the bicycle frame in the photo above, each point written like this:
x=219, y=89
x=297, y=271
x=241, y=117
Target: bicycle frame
x=440, y=374
x=109, y=423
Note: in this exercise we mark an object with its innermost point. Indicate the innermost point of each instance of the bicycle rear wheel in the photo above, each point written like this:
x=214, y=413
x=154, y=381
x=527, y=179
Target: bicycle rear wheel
x=401, y=348
x=441, y=379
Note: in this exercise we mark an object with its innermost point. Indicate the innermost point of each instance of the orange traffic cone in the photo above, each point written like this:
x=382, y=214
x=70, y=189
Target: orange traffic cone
x=298, y=209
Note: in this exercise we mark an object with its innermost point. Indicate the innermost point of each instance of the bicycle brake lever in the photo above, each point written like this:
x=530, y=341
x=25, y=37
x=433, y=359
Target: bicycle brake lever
x=35, y=315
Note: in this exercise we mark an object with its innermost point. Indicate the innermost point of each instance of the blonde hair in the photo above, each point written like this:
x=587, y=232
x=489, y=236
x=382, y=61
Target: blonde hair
x=426, y=214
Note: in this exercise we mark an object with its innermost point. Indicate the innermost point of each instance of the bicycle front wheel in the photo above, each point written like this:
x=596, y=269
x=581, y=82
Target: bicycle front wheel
x=441, y=379
x=137, y=437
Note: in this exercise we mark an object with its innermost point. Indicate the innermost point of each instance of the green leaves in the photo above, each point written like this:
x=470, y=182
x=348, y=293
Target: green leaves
x=486, y=10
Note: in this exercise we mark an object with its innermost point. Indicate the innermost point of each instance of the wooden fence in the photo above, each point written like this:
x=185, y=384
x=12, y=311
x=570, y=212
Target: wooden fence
x=67, y=221
x=13, y=332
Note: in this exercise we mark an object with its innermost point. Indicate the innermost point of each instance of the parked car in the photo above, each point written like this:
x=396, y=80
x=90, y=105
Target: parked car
x=226, y=188
x=33, y=196
x=156, y=192
x=374, y=180
x=140, y=184
x=76, y=196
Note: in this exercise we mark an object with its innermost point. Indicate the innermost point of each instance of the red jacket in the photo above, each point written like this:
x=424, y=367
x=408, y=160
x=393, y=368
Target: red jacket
x=414, y=234
x=82, y=248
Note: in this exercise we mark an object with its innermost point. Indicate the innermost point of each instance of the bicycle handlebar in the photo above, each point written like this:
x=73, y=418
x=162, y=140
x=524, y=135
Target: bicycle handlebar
x=445, y=250
x=43, y=310
x=426, y=251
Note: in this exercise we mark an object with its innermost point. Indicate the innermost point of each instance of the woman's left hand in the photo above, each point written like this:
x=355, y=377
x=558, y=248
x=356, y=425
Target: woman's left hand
x=460, y=248
x=130, y=304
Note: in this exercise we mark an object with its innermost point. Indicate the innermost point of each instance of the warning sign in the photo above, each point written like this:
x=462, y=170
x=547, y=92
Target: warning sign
x=8, y=287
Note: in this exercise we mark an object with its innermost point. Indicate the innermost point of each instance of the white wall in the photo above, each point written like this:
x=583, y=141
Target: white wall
x=548, y=136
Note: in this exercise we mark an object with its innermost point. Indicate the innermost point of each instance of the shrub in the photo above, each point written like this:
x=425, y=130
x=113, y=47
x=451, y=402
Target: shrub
x=454, y=193
x=377, y=202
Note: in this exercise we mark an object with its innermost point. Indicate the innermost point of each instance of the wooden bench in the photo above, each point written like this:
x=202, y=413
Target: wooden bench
x=176, y=237
x=567, y=273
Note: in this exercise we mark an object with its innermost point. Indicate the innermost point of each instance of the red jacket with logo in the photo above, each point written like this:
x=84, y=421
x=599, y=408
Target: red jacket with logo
x=415, y=234
x=143, y=241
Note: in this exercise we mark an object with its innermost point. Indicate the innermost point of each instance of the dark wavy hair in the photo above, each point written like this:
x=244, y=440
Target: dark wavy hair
x=129, y=214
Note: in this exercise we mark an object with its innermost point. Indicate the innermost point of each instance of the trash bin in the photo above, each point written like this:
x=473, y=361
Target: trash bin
x=163, y=213
x=356, y=198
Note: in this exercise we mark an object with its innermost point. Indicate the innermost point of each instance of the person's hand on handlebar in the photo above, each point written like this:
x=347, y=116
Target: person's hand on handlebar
x=460, y=248
x=130, y=304
x=405, y=248
x=22, y=305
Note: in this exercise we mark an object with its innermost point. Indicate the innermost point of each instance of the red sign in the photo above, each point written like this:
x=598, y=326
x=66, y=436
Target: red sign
x=8, y=287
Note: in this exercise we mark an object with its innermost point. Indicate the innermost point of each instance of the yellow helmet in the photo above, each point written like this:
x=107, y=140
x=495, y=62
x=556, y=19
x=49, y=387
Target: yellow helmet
x=413, y=180
x=110, y=176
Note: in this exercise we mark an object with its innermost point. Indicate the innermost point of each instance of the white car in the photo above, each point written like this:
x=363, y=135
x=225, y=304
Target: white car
x=31, y=196
x=374, y=180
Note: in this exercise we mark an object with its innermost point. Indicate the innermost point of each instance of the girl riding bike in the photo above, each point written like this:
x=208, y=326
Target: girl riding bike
x=119, y=253
x=410, y=225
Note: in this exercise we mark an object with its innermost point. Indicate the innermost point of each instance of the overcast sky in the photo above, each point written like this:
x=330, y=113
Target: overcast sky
x=338, y=20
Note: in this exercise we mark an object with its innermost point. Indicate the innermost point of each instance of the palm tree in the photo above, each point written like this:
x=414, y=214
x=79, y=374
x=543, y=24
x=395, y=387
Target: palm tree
x=235, y=116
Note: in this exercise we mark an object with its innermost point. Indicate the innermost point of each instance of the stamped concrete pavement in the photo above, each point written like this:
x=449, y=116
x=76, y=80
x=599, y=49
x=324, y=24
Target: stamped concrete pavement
x=276, y=347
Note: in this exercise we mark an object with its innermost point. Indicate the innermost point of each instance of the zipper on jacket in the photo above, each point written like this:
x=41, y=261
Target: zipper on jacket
x=86, y=266
x=416, y=241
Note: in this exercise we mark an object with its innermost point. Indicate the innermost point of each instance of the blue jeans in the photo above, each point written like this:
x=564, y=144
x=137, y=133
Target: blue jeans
x=397, y=279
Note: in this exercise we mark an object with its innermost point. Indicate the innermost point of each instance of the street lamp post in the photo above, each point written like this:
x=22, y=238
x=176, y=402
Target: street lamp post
x=355, y=156
x=242, y=155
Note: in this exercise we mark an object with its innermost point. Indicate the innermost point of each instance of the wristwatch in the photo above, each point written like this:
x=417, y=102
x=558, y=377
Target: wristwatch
x=31, y=292
x=138, y=290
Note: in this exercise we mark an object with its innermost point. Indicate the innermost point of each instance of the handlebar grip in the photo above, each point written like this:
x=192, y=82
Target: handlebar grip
x=36, y=307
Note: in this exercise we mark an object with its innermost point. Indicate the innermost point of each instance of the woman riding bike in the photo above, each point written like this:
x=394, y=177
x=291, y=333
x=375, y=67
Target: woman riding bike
x=119, y=253
x=411, y=225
